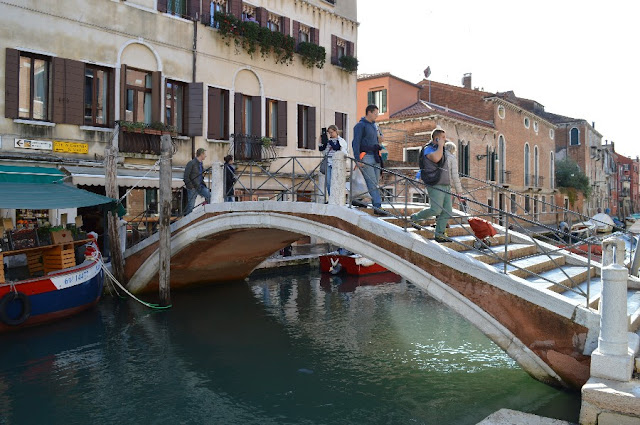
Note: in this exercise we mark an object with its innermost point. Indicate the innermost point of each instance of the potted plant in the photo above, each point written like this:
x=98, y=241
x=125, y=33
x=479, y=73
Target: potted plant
x=267, y=142
x=312, y=54
x=348, y=63
x=131, y=126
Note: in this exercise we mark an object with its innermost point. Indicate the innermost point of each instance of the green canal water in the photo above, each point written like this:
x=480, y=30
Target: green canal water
x=296, y=348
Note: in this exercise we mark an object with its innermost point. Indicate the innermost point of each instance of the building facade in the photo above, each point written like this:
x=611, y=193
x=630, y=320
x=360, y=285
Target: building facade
x=72, y=70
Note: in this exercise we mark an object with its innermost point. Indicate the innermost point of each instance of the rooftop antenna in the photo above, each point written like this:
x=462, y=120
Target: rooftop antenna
x=427, y=73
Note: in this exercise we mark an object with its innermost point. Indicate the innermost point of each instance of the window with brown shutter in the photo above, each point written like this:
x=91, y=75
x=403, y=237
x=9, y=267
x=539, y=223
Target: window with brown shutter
x=137, y=100
x=235, y=8
x=218, y=114
x=282, y=123
x=175, y=105
x=195, y=109
x=11, y=83
x=306, y=127
x=97, y=96
x=341, y=123
x=33, y=83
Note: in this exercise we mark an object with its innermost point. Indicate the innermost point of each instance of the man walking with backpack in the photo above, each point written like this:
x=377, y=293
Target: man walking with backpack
x=194, y=180
x=365, y=141
x=435, y=175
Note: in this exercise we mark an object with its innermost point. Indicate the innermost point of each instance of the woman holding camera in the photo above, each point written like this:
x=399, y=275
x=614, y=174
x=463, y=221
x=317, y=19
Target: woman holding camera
x=331, y=140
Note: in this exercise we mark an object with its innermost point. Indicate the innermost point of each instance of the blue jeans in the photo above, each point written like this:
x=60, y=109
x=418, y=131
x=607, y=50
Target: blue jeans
x=327, y=180
x=229, y=199
x=371, y=176
x=191, y=197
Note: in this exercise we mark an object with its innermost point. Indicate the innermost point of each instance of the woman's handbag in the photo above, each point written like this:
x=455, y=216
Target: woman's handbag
x=323, y=165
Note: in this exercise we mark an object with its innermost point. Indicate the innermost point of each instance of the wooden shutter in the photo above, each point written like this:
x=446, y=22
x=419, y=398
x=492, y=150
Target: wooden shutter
x=370, y=98
x=162, y=6
x=11, y=83
x=315, y=36
x=235, y=8
x=311, y=128
x=285, y=25
x=282, y=123
x=111, y=98
x=193, y=9
x=194, y=109
x=57, y=92
x=237, y=110
x=156, y=97
x=74, y=92
x=300, y=126
x=383, y=107
x=213, y=119
x=350, y=48
x=256, y=116
x=296, y=32
x=123, y=91
x=334, y=49
x=341, y=123
x=262, y=16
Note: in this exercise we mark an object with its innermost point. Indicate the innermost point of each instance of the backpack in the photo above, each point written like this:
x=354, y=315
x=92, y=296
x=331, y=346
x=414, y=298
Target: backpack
x=429, y=170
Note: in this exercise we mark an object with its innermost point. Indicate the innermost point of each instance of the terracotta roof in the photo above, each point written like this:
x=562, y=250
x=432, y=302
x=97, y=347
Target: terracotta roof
x=423, y=108
x=363, y=77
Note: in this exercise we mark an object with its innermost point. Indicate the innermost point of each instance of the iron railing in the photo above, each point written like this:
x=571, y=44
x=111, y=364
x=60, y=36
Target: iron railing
x=247, y=147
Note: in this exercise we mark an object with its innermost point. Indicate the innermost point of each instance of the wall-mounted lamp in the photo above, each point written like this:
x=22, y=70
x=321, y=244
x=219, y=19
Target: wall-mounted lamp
x=479, y=157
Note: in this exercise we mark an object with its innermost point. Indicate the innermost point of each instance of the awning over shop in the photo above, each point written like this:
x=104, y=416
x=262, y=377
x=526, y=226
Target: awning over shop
x=34, y=196
x=94, y=176
x=11, y=174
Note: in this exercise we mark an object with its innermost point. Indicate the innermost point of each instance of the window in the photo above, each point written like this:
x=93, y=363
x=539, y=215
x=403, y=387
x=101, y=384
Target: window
x=34, y=87
x=177, y=7
x=410, y=155
x=387, y=194
x=464, y=157
x=342, y=124
x=552, y=171
x=502, y=153
x=378, y=98
x=552, y=133
x=514, y=204
x=526, y=164
x=138, y=99
x=247, y=115
x=216, y=6
x=544, y=204
x=174, y=105
x=151, y=201
x=536, y=215
x=527, y=204
x=574, y=136
x=535, y=126
x=306, y=127
x=501, y=111
x=96, y=96
x=420, y=197
x=272, y=118
x=526, y=122
x=491, y=164
x=218, y=114
x=535, y=165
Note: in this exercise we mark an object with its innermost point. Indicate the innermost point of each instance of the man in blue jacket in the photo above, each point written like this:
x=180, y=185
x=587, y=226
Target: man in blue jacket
x=365, y=140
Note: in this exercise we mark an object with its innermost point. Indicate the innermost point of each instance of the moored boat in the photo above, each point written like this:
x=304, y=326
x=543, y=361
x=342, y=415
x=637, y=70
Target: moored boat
x=59, y=294
x=353, y=264
x=603, y=223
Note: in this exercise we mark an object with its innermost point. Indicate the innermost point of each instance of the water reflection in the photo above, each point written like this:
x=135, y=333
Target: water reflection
x=286, y=349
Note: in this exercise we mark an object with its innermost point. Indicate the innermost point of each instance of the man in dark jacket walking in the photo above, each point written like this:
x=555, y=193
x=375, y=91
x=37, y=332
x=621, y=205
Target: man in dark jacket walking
x=229, y=179
x=365, y=141
x=194, y=181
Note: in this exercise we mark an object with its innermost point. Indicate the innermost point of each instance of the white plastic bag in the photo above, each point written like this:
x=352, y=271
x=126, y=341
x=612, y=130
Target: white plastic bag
x=358, y=185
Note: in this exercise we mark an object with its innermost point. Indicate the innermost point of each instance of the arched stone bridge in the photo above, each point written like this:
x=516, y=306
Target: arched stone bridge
x=550, y=334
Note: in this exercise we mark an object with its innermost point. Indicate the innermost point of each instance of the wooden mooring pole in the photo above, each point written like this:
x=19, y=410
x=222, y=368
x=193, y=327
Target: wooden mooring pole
x=111, y=188
x=164, y=230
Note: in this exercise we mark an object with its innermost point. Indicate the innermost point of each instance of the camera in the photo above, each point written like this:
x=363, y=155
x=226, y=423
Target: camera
x=323, y=136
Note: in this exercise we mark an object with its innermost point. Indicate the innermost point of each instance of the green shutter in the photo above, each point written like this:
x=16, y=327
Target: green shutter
x=369, y=98
x=383, y=107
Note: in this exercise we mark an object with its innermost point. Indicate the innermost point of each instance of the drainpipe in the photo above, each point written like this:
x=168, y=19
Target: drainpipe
x=193, y=73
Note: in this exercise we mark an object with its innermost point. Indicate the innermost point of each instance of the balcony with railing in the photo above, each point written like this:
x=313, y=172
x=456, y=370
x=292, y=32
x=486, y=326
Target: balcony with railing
x=253, y=148
x=141, y=138
x=505, y=177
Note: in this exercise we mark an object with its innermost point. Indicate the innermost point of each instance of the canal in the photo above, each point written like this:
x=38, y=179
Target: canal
x=291, y=348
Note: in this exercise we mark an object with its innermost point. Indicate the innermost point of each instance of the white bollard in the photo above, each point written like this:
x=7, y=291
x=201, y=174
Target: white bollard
x=217, y=182
x=613, y=359
x=338, y=179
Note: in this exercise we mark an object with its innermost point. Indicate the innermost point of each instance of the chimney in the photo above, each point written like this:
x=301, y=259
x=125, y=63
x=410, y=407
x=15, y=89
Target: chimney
x=466, y=81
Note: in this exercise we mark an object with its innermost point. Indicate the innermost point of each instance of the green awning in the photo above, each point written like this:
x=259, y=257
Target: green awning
x=53, y=196
x=11, y=174
x=40, y=188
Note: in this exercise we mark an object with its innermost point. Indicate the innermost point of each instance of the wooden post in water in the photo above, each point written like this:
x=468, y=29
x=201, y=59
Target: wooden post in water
x=111, y=188
x=164, y=230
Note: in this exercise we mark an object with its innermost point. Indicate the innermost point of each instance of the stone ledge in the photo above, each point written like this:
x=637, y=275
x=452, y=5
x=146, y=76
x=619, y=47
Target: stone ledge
x=612, y=397
x=509, y=417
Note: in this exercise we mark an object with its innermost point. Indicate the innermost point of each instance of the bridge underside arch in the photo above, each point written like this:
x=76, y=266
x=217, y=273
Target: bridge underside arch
x=547, y=344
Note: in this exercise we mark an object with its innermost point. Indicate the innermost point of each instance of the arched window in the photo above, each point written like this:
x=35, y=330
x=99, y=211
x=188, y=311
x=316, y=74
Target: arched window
x=536, y=167
x=502, y=154
x=552, y=170
x=527, y=159
x=574, y=136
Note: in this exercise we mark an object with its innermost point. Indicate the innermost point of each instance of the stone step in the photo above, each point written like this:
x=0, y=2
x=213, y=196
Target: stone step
x=514, y=250
x=540, y=263
x=568, y=276
x=466, y=242
x=595, y=289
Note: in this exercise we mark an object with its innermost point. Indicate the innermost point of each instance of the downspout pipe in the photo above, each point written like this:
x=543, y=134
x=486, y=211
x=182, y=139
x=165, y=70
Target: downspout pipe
x=193, y=74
